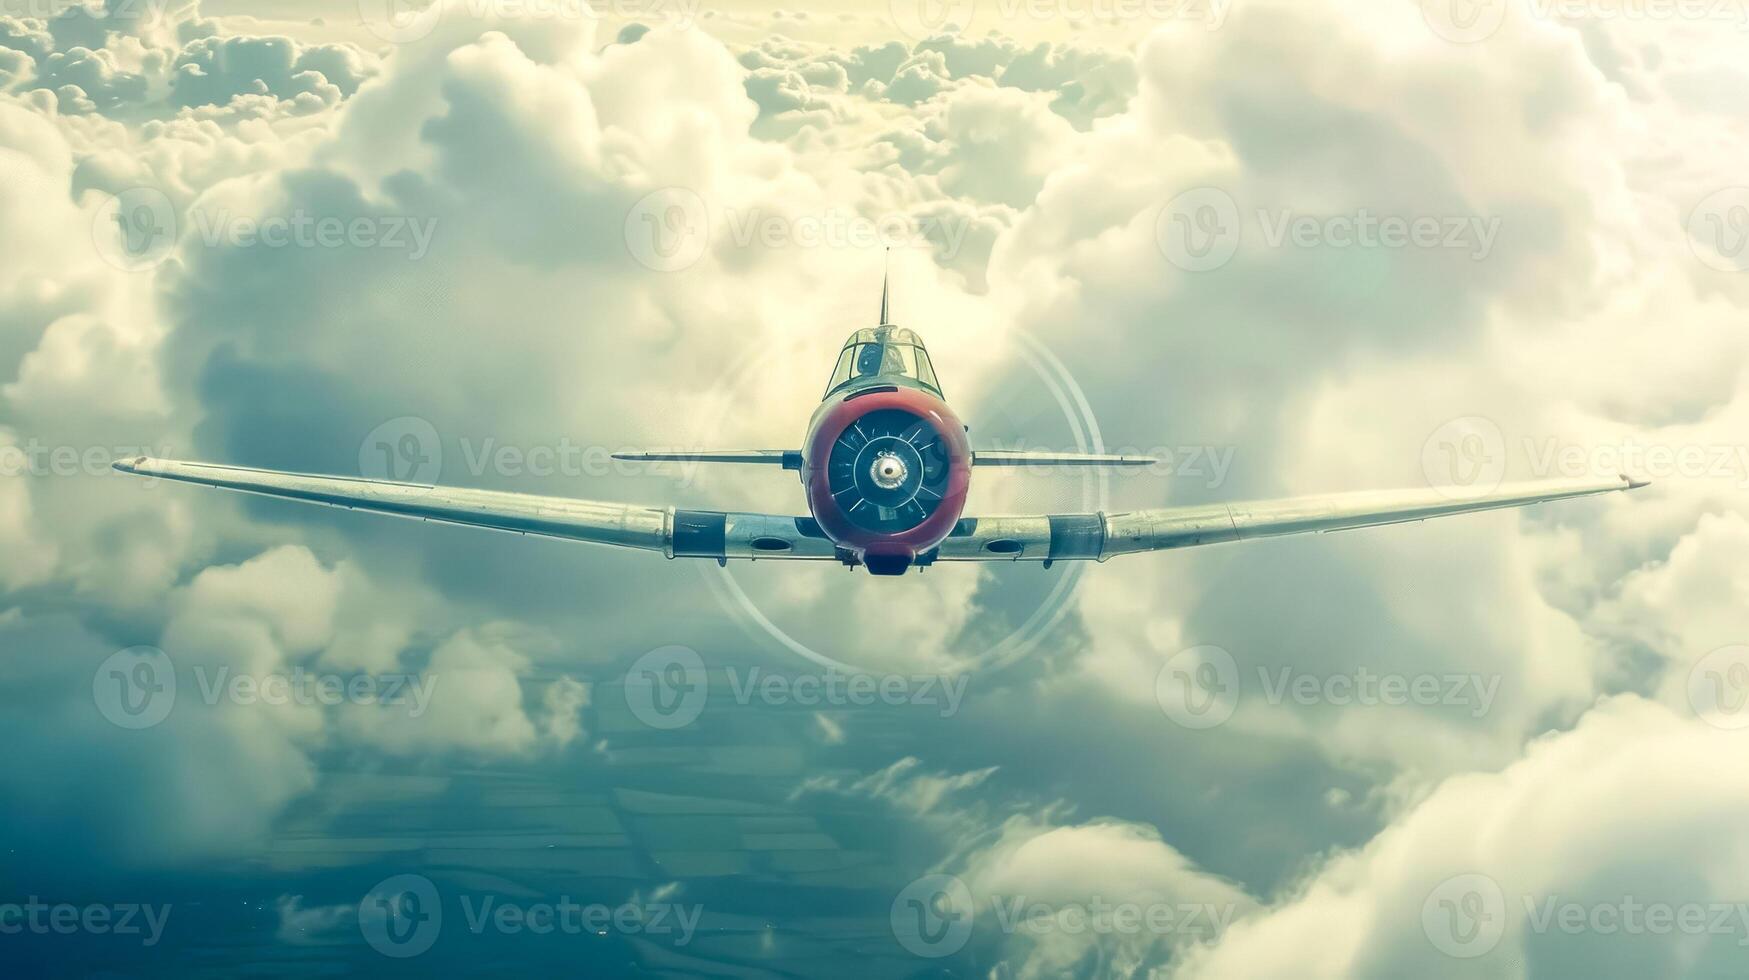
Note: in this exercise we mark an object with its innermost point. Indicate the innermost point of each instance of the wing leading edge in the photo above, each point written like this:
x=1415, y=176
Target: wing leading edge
x=1097, y=537
x=671, y=532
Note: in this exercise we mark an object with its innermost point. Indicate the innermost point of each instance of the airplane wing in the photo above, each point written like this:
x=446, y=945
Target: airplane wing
x=671, y=532
x=724, y=535
x=791, y=459
x=1008, y=457
x=1097, y=537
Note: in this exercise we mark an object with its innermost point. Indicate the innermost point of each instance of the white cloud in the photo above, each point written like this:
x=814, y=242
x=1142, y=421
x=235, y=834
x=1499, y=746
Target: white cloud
x=529, y=143
x=903, y=785
x=563, y=705
x=1078, y=876
x=1634, y=804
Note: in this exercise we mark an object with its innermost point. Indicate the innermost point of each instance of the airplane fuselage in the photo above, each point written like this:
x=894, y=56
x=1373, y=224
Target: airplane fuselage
x=886, y=465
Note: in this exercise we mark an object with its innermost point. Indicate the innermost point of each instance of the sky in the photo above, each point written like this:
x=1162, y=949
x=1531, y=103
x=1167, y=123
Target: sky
x=1287, y=246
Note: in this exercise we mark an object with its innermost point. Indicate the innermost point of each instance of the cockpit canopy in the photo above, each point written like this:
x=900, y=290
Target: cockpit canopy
x=888, y=353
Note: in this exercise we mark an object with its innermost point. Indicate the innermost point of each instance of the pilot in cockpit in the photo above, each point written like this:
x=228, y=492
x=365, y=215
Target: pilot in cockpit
x=878, y=359
x=885, y=352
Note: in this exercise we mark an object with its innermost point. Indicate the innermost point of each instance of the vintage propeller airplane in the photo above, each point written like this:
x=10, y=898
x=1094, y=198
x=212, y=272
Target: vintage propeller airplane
x=885, y=466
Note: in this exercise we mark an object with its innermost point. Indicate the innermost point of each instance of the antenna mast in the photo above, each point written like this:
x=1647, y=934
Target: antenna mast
x=886, y=267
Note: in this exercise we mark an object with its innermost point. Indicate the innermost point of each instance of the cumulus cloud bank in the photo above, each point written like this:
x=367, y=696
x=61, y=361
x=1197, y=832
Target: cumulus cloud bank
x=1577, y=309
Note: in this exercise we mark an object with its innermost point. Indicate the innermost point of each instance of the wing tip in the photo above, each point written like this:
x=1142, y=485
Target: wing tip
x=130, y=465
x=1633, y=484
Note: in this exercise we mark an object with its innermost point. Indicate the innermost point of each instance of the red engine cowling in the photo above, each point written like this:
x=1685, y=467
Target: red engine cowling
x=886, y=471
